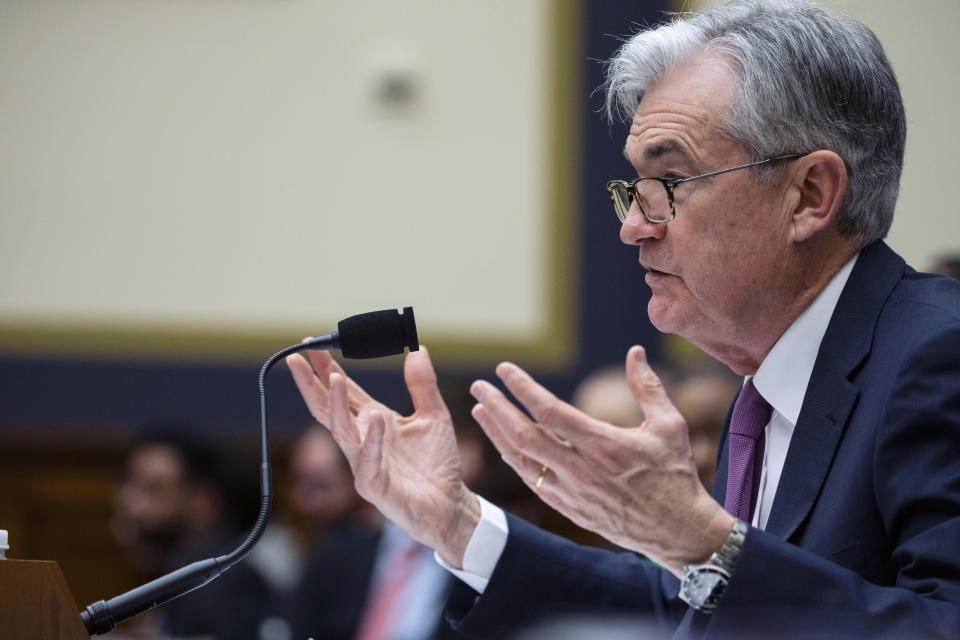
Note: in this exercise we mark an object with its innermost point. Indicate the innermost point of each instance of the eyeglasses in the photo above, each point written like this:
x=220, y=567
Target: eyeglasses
x=655, y=195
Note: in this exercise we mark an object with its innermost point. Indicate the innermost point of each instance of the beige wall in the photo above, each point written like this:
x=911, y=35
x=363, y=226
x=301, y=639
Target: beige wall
x=920, y=38
x=261, y=166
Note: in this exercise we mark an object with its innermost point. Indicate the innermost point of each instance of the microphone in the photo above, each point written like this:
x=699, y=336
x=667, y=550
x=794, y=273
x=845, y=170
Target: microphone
x=372, y=335
x=367, y=335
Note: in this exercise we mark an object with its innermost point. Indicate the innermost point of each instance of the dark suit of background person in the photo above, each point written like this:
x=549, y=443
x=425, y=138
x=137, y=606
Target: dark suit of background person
x=867, y=514
x=329, y=604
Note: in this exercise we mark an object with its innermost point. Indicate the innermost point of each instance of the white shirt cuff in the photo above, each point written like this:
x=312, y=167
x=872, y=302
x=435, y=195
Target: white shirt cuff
x=484, y=549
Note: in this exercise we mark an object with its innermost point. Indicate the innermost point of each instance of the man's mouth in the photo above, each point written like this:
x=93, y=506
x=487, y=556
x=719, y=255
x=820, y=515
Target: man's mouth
x=651, y=270
x=653, y=275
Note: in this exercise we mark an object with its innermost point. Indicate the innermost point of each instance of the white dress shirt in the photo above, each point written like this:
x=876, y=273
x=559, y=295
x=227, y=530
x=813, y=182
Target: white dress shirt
x=781, y=379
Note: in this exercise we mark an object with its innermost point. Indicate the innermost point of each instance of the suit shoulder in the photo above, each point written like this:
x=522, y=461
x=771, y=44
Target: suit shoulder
x=922, y=314
x=927, y=295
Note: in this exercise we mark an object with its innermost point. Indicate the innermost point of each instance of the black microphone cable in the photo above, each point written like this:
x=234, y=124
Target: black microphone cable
x=368, y=335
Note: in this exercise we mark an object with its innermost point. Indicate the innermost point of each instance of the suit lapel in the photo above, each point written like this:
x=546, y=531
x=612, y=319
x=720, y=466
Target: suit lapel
x=822, y=421
x=831, y=396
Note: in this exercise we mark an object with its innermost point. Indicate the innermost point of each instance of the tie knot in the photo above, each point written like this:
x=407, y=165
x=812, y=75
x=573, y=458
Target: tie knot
x=750, y=412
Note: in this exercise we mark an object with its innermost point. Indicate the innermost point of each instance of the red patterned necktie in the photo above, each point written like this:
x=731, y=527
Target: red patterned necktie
x=750, y=416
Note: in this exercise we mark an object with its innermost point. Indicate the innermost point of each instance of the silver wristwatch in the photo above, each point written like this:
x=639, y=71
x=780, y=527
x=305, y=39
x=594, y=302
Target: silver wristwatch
x=701, y=585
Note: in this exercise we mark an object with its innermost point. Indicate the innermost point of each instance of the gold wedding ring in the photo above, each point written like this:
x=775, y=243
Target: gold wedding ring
x=543, y=472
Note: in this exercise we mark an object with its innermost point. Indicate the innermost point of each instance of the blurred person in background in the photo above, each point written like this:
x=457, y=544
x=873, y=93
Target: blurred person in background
x=322, y=487
x=180, y=501
x=606, y=395
x=365, y=579
x=704, y=398
x=947, y=265
x=329, y=599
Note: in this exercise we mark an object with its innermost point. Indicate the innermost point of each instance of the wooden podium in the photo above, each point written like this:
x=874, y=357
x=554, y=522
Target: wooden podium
x=35, y=602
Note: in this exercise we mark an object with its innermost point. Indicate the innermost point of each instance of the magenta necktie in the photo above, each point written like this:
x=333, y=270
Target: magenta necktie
x=750, y=416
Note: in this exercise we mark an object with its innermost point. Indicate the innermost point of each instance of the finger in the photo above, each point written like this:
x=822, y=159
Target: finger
x=314, y=393
x=343, y=425
x=371, y=451
x=525, y=467
x=324, y=364
x=510, y=454
x=647, y=387
x=530, y=471
x=561, y=418
x=422, y=383
x=517, y=432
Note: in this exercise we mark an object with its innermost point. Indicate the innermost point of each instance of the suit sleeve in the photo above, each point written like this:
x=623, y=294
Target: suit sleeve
x=541, y=575
x=916, y=470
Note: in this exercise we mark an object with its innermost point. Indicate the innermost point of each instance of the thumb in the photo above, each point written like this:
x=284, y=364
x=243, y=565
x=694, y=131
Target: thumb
x=422, y=383
x=646, y=386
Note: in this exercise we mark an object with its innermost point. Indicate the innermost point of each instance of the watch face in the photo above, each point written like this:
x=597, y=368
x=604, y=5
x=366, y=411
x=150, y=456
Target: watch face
x=702, y=587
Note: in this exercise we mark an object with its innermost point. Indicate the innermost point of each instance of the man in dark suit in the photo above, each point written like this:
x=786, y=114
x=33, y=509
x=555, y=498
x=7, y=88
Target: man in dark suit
x=769, y=139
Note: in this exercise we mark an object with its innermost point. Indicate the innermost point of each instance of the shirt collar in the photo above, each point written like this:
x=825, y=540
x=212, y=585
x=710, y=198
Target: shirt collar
x=784, y=374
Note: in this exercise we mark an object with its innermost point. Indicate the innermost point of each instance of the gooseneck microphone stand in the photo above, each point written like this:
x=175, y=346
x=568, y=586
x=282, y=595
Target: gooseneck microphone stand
x=368, y=335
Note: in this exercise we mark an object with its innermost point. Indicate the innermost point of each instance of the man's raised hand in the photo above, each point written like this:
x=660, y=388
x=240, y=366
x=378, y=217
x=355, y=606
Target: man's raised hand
x=637, y=487
x=408, y=467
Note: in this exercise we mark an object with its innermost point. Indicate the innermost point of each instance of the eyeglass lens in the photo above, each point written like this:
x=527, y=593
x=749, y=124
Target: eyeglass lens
x=653, y=200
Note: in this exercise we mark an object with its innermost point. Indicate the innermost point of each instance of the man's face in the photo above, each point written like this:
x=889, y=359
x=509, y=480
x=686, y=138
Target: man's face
x=714, y=267
x=322, y=484
x=149, y=507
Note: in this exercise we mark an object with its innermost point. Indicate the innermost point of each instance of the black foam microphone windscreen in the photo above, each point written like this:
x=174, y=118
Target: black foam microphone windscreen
x=377, y=334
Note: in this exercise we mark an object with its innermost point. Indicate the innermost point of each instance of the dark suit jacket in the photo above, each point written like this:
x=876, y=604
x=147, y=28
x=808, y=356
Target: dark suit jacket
x=232, y=607
x=864, y=535
x=330, y=600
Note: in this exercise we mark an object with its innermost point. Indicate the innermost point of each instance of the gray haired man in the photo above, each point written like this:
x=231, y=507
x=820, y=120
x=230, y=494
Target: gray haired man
x=767, y=139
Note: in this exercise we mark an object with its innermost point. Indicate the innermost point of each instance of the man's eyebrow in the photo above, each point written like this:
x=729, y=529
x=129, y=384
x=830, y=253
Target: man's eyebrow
x=664, y=148
x=659, y=150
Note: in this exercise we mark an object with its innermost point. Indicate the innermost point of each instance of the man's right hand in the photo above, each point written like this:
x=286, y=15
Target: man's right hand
x=407, y=467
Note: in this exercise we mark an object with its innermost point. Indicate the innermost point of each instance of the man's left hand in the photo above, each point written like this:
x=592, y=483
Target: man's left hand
x=637, y=487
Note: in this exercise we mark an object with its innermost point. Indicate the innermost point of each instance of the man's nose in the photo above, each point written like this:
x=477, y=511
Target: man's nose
x=637, y=227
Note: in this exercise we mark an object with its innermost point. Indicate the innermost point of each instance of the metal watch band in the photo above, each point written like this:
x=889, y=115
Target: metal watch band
x=726, y=557
x=702, y=585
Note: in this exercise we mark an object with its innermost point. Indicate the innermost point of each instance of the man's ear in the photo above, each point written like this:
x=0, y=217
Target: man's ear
x=820, y=180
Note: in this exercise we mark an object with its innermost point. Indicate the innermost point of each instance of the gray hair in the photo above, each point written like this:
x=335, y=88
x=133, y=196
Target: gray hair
x=808, y=80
